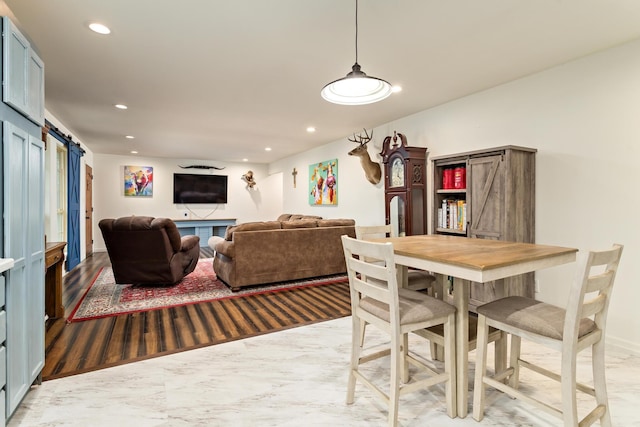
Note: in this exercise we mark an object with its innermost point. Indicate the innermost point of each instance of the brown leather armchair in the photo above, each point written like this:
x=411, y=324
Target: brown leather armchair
x=147, y=250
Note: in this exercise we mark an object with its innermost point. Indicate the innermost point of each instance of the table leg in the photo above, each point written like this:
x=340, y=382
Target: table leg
x=461, y=302
x=437, y=351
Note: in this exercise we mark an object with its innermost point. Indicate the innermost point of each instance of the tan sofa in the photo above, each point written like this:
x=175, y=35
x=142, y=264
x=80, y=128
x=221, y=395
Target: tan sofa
x=290, y=248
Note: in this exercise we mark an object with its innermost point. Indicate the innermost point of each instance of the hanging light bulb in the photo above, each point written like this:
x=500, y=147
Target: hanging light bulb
x=356, y=88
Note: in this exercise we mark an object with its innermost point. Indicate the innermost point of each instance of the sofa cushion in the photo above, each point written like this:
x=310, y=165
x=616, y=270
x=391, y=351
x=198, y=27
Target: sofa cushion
x=335, y=222
x=251, y=226
x=303, y=223
x=284, y=217
x=298, y=217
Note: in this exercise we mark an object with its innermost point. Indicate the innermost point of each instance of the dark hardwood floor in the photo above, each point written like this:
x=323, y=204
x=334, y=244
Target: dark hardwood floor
x=74, y=348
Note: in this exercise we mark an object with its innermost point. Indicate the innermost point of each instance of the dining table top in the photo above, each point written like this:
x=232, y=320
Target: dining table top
x=470, y=253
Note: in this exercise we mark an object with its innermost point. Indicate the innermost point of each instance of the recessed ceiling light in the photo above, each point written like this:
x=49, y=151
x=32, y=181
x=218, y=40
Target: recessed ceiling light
x=134, y=152
x=121, y=106
x=267, y=149
x=245, y=160
x=99, y=28
x=130, y=137
x=396, y=89
x=311, y=129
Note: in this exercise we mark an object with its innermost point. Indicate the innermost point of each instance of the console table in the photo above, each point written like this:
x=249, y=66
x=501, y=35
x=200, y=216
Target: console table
x=203, y=228
x=53, y=260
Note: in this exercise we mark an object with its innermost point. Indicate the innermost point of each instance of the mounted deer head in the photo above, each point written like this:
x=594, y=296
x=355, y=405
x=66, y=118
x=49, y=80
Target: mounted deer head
x=371, y=169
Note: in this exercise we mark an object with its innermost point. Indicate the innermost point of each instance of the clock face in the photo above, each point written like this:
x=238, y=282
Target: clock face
x=397, y=173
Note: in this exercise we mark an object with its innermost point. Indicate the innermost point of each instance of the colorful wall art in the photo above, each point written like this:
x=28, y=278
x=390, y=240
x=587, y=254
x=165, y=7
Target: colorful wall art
x=138, y=181
x=323, y=183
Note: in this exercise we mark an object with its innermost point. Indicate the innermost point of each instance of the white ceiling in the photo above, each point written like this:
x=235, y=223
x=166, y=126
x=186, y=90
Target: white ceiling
x=223, y=79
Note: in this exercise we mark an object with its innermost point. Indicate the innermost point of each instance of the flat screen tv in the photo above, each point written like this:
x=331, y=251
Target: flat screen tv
x=192, y=188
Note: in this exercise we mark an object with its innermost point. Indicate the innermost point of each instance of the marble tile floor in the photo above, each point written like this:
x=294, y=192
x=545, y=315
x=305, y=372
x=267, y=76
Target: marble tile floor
x=296, y=377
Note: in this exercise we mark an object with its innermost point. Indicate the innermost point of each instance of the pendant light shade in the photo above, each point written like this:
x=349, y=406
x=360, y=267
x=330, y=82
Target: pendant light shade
x=356, y=88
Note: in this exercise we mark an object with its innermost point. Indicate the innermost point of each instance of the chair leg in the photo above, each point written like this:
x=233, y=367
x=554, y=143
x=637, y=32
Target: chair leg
x=514, y=380
x=481, y=368
x=397, y=366
x=363, y=327
x=599, y=381
x=500, y=345
x=405, y=360
x=450, y=366
x=356, y=325
x=568, y=386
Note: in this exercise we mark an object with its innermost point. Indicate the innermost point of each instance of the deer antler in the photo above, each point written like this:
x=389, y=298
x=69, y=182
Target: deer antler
x=362, y=140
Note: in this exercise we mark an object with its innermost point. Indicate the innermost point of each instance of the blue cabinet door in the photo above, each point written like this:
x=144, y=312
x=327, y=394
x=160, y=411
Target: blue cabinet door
x=15, y=143
x=23, y=196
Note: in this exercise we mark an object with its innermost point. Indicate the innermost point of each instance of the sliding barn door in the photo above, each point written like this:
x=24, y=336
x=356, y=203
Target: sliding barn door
x=487, y=197
x=73, y=219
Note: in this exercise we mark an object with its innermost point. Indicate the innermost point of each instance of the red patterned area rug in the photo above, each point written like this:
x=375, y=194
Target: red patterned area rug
x=105, y=298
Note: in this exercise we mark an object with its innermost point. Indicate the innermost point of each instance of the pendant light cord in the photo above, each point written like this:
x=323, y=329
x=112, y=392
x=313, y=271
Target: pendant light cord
x=356, y=31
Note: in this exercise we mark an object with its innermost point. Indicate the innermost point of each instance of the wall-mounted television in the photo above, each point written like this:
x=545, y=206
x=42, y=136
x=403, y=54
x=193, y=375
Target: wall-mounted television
x=192, y=188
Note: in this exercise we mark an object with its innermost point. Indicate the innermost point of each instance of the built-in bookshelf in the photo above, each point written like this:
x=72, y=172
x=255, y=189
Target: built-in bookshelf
x=452, y=215
x=450, y=201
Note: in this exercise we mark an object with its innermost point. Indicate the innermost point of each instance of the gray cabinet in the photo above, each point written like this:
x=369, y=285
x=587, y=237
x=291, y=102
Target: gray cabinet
x=22, y=74
x=491, y=196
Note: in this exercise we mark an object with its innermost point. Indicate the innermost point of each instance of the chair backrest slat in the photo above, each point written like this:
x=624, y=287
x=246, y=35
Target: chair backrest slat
x=375, y=277
x=588, y=281
x=368, y=268
x=606, y=257
x=374, y=280
x=594, y=306
x=372, y=290
x=599, y=282
x=364, y=232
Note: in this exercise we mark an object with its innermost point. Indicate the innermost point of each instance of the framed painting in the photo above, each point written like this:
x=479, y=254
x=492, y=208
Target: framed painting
x=323, y=183
x=138, y=181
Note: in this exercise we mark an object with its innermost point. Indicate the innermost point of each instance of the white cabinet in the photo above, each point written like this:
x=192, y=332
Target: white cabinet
x=22, y=74
x=23, y=201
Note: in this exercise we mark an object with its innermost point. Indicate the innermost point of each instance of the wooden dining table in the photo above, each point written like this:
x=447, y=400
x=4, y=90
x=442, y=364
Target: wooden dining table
x=469, y=260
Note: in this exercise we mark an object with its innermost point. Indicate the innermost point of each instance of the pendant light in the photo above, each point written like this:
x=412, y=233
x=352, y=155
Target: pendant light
x=356, y=88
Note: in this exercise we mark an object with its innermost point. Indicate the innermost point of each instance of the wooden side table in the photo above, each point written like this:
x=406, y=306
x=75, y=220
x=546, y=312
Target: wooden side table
x=53, y=261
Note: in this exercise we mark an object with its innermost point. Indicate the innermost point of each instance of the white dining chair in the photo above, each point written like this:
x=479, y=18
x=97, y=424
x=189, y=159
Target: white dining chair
x=416, y=279
x=377, y=300
x=581, y=325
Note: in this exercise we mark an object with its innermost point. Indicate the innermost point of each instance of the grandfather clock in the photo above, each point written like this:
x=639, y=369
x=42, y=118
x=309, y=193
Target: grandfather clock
x=405, y=185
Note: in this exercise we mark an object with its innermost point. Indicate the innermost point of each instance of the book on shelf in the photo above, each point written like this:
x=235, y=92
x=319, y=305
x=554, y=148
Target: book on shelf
x=452, y=215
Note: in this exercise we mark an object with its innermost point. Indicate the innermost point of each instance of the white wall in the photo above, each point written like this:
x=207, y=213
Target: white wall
x=357, y=198
x=263, y=202
x=583, y=119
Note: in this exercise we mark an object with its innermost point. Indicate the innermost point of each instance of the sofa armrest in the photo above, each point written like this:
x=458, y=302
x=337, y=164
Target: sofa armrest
x=226, y=248
x=188, y=242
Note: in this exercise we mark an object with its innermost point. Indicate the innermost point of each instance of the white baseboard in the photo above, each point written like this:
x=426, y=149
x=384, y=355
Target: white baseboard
x=624, y=345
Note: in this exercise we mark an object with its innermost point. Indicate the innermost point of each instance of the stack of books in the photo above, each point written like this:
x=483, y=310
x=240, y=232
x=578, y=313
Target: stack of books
x=453, y=214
